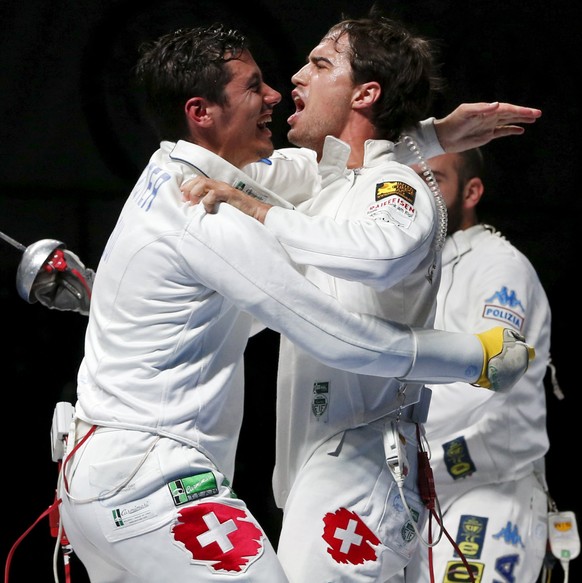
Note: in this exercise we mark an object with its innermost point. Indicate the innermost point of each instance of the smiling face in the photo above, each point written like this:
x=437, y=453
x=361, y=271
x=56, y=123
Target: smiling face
x=239, y=130
x=323, y=95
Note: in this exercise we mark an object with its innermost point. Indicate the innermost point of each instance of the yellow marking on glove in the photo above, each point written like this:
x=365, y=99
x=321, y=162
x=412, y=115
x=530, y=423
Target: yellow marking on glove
x=492, y=342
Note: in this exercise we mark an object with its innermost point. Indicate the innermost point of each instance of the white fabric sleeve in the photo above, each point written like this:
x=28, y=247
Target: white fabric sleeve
x=270, y=288
x=369, y=250
x=444, y=356
x=425, y=136
x=273, y=291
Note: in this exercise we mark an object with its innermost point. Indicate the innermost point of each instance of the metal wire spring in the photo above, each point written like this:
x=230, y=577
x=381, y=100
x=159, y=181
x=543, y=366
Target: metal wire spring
x=434, y=187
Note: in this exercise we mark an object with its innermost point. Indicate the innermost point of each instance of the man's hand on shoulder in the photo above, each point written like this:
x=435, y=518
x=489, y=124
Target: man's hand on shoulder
x=211, y=193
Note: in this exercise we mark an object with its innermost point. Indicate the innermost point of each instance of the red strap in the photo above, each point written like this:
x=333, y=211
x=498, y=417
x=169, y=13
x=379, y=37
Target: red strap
x=428, y=494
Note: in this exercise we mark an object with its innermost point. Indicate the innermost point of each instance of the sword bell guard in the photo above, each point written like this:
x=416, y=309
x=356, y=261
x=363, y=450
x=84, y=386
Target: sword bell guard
x=30, y=265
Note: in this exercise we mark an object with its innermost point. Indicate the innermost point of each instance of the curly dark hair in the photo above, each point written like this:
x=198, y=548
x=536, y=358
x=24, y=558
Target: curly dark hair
x=182, y=64
x=404, y=65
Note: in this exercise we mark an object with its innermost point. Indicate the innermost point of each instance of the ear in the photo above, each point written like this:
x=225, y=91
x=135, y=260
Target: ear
x=366, y=94
x=473, y=192
x=197, y=112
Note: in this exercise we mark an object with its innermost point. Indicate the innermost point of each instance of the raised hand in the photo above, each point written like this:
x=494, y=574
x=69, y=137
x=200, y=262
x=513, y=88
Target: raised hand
x=475, y=124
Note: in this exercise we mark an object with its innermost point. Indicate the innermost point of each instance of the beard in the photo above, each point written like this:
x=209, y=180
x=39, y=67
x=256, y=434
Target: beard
x=454, y=213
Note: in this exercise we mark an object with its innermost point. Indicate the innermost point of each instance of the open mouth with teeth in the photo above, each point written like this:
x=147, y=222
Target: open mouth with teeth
x=262, y=125
x=299, y=107
x=299, y=104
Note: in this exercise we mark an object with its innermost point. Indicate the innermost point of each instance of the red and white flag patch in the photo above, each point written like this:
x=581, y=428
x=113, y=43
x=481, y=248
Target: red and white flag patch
x=349, y=539
x=222, y=537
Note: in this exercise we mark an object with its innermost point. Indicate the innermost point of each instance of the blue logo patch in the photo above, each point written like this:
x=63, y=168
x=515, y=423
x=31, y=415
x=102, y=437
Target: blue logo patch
x=457, y=458
x=471, y=535
x=510, y=534
x=503, y=307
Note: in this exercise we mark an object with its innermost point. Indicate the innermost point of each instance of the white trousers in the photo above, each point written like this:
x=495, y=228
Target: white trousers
x=138, y=508
x=501, y=529
x=344, y=520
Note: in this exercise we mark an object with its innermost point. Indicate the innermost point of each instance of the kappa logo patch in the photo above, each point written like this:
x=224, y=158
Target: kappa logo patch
x=504, y=306
x=510, y=534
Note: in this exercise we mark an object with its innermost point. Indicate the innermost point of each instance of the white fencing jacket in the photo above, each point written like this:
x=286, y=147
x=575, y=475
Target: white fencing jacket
x=479, y=437
x=380, y=265
x=173, y=300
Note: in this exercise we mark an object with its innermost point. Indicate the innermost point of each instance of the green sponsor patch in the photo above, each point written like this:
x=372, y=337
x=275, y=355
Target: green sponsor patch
x=193, y=488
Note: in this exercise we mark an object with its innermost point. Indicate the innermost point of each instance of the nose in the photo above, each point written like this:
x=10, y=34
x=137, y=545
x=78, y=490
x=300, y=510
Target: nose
x=299, y=76
x=271, y=96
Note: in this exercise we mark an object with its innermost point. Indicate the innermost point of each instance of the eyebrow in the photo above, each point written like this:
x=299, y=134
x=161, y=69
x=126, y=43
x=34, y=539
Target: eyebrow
x=438, y=173
x=254, y=79
x=317, y=60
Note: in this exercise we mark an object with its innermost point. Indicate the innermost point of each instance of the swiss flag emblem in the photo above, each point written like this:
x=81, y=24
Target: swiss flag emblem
x=349, y=539
x=220, y=536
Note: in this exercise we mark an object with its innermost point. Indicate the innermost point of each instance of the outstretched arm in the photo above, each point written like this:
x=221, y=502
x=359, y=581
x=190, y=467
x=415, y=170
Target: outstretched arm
x=475, y=124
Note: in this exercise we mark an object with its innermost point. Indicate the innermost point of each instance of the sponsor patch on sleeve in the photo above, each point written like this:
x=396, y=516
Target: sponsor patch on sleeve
x=505, y=307
x=401, y=189
x=394, y=203
x=457, y=458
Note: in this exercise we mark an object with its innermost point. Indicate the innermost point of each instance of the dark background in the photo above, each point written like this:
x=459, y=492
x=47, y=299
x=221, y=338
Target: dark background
x=73, y=141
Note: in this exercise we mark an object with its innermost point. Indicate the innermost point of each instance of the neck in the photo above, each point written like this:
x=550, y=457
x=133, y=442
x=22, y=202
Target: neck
x=469, y=220
x=355, y=133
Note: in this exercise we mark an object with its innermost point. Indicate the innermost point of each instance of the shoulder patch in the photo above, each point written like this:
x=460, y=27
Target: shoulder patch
x=394, y=203
x=504, y=306
x=401, y=189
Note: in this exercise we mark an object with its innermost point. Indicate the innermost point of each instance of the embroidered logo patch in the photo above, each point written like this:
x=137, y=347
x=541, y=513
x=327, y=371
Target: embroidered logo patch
x=471, y=535
x=457, y=458
x=219, y=536
x=394, y=204
x=408, y=533
x=401, y=189
x=510, y=534
x=132, y=513
x=456, y=572
x=320, y=400
x=503, y=306
x=193, y=488
x=349, y=539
